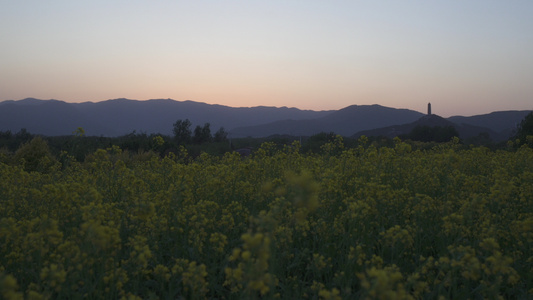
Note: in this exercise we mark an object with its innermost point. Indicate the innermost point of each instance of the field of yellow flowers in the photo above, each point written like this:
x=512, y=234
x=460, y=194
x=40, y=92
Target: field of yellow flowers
x=379, y=223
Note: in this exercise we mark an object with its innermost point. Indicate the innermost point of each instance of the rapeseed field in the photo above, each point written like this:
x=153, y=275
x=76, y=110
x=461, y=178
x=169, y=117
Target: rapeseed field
x=359, y=223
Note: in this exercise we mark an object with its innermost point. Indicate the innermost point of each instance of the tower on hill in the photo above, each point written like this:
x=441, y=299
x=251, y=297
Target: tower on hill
x=429, y=109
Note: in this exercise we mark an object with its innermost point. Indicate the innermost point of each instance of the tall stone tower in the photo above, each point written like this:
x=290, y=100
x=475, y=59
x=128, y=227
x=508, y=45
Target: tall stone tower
x=429, y=109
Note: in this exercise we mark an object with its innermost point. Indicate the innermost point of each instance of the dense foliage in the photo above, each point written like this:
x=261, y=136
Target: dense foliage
x=365, y=222
x=525, y=130
x=438, y=134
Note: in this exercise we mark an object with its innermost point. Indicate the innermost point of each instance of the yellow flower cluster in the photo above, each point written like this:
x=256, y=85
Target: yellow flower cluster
x=251, y=272
x=351, y=223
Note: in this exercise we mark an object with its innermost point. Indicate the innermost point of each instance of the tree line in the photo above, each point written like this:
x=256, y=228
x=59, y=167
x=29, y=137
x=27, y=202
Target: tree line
x=33, y=148
x=202, y=134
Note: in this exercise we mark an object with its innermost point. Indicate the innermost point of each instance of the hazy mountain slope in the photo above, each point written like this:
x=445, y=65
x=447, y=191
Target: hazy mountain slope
x=45, y=117
x=123, y=116
x=497, y=121
x=465, y=130
x=345, y=122
x=159, y=115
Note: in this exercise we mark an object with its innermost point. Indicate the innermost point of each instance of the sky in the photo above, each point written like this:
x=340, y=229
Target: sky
x=465, y=57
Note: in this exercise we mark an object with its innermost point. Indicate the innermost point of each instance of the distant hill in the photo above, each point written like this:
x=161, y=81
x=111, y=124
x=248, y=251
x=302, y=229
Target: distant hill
x=465, y=129
x=123, y=116
x=46, y=117
x=502, y=122
x=345, y=122
x=497, y=121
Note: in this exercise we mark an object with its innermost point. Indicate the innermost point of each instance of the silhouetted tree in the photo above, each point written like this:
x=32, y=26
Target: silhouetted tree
x=24, y=135
x=182, y=131
x=221, y=135
x=5, y=134
x=202, y=134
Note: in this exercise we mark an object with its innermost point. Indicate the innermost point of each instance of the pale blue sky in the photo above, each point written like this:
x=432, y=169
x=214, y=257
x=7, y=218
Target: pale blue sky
x=465, y=57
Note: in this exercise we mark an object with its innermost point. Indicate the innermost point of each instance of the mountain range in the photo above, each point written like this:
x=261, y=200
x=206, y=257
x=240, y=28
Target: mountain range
x=123, y=116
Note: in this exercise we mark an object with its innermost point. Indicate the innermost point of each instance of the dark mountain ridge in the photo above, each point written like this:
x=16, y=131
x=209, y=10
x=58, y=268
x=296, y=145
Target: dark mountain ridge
x=123, y=116
x=497, y=121
x=345, y=122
